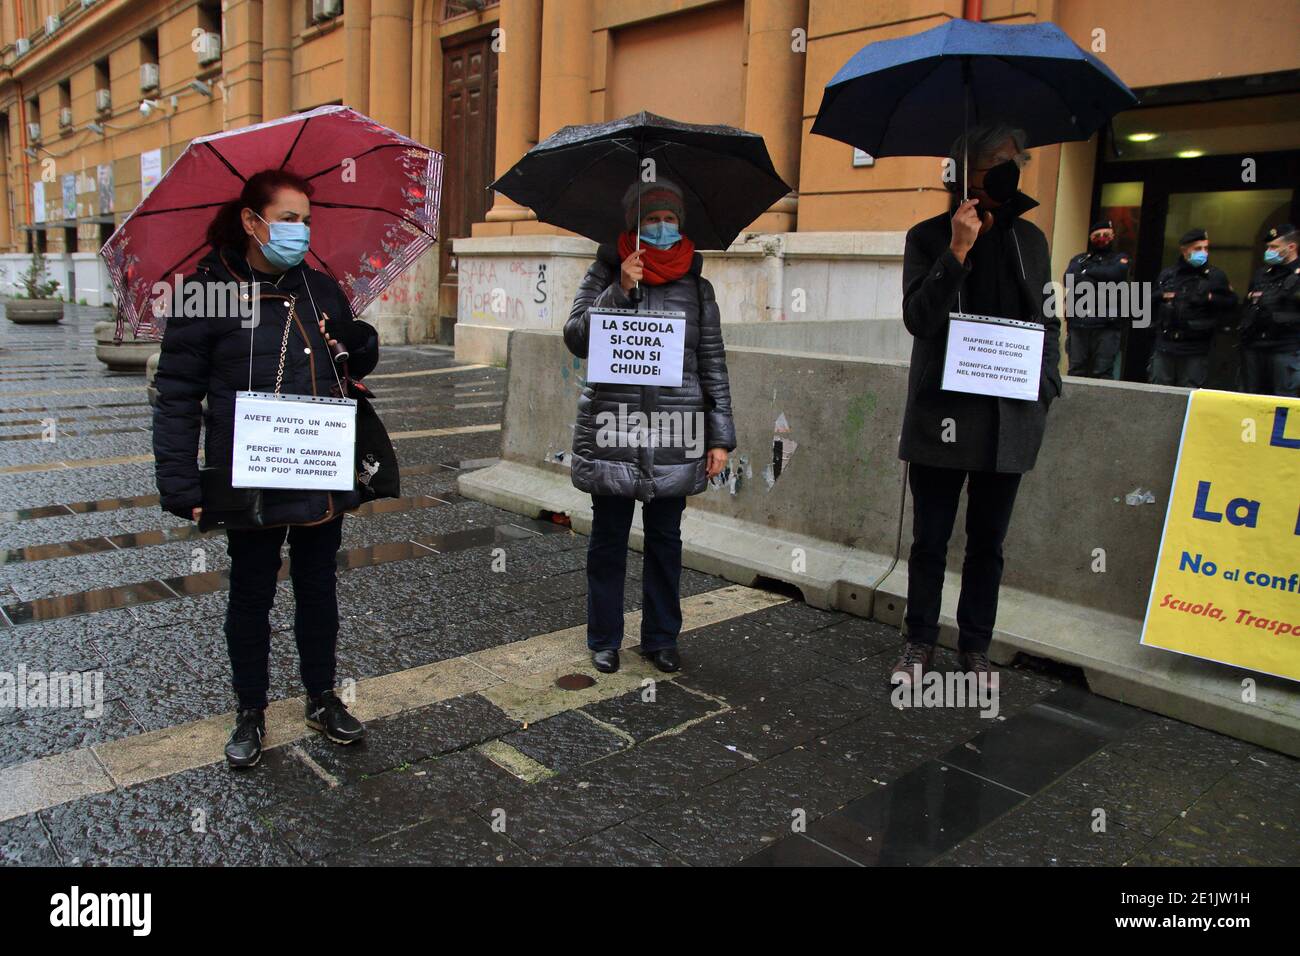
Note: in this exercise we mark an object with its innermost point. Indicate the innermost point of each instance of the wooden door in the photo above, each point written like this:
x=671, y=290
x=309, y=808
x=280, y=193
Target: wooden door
x=469, y=121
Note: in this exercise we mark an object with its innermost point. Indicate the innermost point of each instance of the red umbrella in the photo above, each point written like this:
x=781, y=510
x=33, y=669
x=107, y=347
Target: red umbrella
x=374, y=208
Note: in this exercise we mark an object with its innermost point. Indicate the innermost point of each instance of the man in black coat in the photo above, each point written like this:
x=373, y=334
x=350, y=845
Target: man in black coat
x=1094, y=336
x=1192, y=297
x=1270, y=327
x=979, y=258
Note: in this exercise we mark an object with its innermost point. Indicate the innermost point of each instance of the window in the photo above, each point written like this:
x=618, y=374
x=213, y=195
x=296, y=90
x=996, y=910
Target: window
x=34, y=119
x=458, y=8
x=150, y=80
x=319, y=11
x=207, y=39
x=65, y=106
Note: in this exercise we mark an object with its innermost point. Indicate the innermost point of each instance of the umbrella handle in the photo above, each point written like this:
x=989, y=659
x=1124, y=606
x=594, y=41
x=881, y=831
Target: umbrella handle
x=635, y=294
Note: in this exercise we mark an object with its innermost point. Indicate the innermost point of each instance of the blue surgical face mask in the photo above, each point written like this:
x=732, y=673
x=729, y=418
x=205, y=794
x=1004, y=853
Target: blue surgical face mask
x=661, y=235
x=1198, y=258
x=288, y=242
x=1272, y=256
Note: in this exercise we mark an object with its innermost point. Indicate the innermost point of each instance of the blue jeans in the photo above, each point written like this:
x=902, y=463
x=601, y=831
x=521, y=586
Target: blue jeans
x=661, y=608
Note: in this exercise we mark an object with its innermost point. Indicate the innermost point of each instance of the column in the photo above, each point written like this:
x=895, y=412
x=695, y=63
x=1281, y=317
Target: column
x=774, y=90
x=241, y=62
x=356, y=55
x=518, y=95
x=390, y=63
x=277, y=61
x=565, y=95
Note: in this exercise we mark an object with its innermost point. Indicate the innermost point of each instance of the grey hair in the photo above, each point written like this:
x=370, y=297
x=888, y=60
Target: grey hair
x=983, y=139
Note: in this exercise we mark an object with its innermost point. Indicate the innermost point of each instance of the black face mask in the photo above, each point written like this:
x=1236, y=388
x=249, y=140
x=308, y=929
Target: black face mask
x=1100, y=245
x=1001, y=182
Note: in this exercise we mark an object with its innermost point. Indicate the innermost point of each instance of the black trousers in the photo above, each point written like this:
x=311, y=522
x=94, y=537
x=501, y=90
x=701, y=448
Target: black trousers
x=661, y=606
x=254, y=568
x=1092, y=351
x=1185, y=371
x=990, y=498
x=1268, y=372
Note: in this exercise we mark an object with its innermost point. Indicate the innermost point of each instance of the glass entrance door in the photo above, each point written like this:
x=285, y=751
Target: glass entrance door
x=1230, y=166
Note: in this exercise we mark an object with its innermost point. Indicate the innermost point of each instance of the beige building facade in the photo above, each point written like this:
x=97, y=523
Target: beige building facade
x=484, y=81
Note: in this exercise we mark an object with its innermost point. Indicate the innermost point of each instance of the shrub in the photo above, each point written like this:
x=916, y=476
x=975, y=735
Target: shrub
x=35, y=281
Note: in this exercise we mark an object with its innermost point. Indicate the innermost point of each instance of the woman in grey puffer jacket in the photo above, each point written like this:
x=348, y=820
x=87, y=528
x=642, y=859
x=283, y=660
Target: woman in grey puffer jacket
x=613, y=461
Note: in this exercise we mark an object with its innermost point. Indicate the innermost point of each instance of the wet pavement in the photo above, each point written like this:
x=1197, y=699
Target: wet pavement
x=777, y=744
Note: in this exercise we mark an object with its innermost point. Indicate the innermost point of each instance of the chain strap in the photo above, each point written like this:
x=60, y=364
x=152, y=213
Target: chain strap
x=284, y=343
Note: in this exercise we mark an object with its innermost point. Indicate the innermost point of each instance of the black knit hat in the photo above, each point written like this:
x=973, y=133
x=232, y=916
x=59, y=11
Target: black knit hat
x=1101, y=224
x=1192, y=235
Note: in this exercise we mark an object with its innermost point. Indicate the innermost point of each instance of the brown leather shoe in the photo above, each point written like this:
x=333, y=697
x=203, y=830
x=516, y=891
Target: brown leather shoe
x=974, y=662
x=913, y=665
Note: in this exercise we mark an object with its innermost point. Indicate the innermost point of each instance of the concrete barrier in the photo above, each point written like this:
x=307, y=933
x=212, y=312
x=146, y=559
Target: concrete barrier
x=527, y=281
x=861, y=338
x=835, y=523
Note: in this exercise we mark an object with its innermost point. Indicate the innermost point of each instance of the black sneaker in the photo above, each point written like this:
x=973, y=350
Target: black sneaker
x=328, y=714
x=244, y=748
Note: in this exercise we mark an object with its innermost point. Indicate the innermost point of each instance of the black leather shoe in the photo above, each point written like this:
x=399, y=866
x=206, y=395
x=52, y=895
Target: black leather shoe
x=916, y=661
x=605, y=661
x=666, y=659
x=328, y=714
x=974, y=662
x=244, y=748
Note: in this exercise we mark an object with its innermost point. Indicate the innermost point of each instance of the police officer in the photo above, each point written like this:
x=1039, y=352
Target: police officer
x=1270, y=326
x=1192, y=296
x=1092, y=339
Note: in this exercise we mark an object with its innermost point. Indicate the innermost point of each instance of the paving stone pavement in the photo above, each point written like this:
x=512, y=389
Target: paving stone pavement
x=776, y=744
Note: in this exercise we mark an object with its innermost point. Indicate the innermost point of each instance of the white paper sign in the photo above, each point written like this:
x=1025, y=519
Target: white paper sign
x=991, y=356
x=636, y=348
x=294, y=441
x=150, y=170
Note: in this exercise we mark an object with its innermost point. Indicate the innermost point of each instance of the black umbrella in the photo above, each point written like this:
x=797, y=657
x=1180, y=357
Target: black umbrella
x=577, y=177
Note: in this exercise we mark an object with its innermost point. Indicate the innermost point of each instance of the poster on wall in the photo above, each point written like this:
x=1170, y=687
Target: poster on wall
x=1227, y=581
x=105, y=171
x=150, y=171
x=38, y=201
x=69, y=184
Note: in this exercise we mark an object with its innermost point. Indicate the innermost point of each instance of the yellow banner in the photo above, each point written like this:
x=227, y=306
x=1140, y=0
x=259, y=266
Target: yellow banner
x=1227, y=583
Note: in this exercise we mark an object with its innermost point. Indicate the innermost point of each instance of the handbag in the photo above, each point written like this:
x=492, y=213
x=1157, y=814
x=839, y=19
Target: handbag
x=225, y=506
x=376, y=461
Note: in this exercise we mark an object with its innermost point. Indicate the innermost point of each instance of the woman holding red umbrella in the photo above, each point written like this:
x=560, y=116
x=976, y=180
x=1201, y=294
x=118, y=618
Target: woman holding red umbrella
x=257, y=245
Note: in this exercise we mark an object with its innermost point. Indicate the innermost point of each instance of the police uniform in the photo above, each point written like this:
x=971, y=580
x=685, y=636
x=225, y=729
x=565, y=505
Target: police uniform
x=1270, y=327
x=1093, y=337
x=1185, y=324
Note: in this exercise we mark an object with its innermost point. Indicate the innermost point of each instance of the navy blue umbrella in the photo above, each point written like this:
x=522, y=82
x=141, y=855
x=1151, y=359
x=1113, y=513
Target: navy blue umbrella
x=913, y=96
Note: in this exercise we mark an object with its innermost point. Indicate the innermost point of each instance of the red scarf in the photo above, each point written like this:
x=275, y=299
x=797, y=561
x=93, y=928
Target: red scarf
x=659, y=265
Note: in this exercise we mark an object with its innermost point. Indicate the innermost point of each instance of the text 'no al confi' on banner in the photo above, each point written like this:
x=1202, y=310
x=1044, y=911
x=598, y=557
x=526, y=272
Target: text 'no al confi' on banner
x=1227, y=581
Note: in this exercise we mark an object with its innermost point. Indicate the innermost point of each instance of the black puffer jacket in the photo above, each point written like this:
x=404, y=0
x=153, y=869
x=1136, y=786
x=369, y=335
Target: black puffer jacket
x=990, y=434
x=208, y=357
x=648, y=472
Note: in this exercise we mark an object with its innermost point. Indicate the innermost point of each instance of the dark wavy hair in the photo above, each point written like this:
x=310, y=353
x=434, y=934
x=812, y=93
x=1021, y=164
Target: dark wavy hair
x=227, y=228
